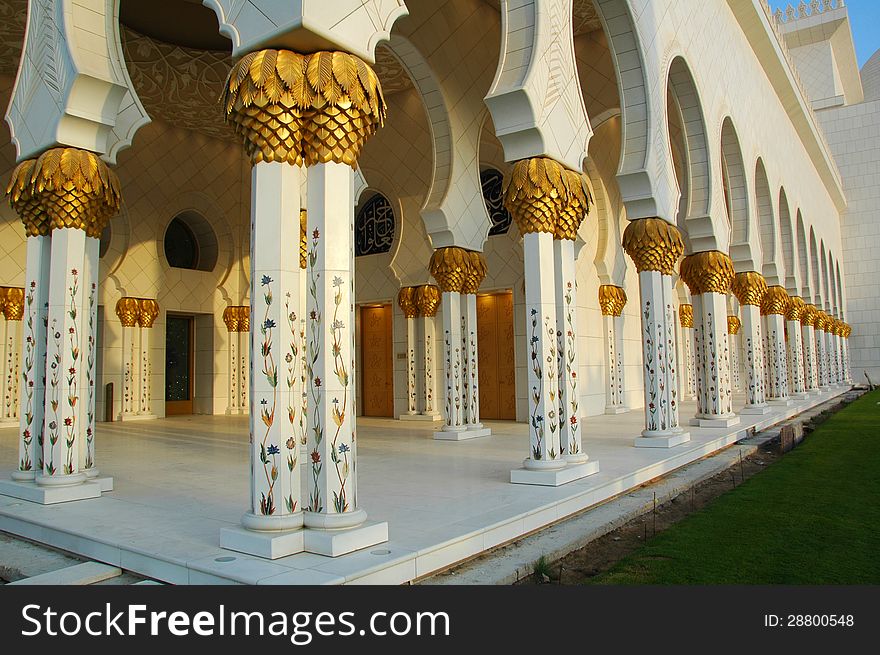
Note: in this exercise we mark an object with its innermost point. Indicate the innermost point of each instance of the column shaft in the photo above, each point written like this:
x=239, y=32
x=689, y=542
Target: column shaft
x=796, y=356
x=452, y=365
x=64, y=433
x=543, y=386
x=612, y=382
x=330, y=360
x=275, y=471
x=32, y=398
x=821, y=358
x=811, y=373
x=90, y=278
x=777, y=367
x=570, y=432
x=710, y=323
x=430, y=386
x=753, y=347
x=412, y=406
x=472, y=387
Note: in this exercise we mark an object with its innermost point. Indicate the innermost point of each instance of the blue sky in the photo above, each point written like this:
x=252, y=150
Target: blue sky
x=864, y=16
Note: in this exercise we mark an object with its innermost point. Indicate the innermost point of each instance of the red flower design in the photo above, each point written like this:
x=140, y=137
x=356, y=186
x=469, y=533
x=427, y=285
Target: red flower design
x=68, y=421
x=316, y=457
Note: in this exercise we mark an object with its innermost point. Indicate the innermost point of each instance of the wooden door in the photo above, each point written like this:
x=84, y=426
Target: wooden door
x=496, y=358
x=377, y=364
x=179, y=365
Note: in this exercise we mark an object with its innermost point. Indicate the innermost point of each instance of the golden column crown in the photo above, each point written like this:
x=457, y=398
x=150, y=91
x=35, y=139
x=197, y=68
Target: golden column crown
x=847, y=330
x=3, y=293
x=65, y=188
x=612, y=300
x=686, y=316
x=244, y=318
x=28, y=208
x=775, y=301
x=128, y=309
x=796, y=309
x=653, y=245
x=572, y=214
x=538, y=191
x=303, y=242
x=427, y=299
x=230, y=317
x=838, y=327
x=749, y=288
x=475, y=273
x=148, y=310
x=13, y=303
x=303, y=108
x=449, y=266
x=406, y=300
x=733, y=324
x=710, y=271
x=820, y=320
x=809, y=315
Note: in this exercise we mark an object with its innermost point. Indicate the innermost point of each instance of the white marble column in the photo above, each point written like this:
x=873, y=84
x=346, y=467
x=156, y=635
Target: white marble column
x=795, y=353
x=773, y=308
x=821, y=354
x=753, y=349
x=32, y=398
x=808, y=341
x=715, y=401
x=90, y=277
x=65, y=433
x=472, y=386
x=275, y=474
x=233, y=391
x=427, y=299
x=148, y=312
x=833, y=377
x=733, y=327
x=13, y=311
x=612, y=300
x=452, y=366
x=407, y=303
x=127, y=309
x=570, y=428
x=686, y=325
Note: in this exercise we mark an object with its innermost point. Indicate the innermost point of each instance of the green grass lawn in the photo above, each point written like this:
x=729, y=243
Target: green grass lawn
x=811, y=518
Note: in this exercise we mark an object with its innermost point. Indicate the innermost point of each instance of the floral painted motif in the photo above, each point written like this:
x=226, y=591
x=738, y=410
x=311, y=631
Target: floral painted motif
x=448, y=370
x=268, y=451
x=72, y=377
x=465, y=379
x=90, y=381
x=650, y=356
x=292, y=359
x=537, y=418
x=339, y=452
x=54, y=393
x=569, y=355
x=28, y=381
x=429, y=374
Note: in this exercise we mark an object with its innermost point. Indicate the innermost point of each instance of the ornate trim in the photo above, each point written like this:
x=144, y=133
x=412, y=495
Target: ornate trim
x=612, y=300
x=710, y=271
x=653, y=245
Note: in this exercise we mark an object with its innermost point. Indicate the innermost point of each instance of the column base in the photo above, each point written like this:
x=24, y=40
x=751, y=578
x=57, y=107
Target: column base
x=715, y=422
x=616, y=409
x=662, y=441
x=800, y=396
x=787, y=402
x=756, y=410
x=136, y=417
x=270, y=545
x=432, y=418
x=334, y=543
x=461, y=435
x=553, y=477
x=52, y=495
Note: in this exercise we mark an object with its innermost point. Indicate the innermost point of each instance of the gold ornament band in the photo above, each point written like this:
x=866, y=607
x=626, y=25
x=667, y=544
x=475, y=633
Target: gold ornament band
x=64, y=188
x=733, y=324
x=231, y=318
x=653, y=245
x=406, y=300
x=539, y=192
x=12, y=303
x=148, y=310
x=749, y=288
x=686, y=316
x=612, y=300
x=303, y=108
x=427, y=299
x=710, y=271
x=796, y=309
x=775, y=301
x=476, y=272
x=449, y=266
x=809, y=315
x=127, y=309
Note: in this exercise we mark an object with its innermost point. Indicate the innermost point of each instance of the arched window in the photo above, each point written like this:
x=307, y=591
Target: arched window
x=492, y=183
x=190, y=242
x=374, y=227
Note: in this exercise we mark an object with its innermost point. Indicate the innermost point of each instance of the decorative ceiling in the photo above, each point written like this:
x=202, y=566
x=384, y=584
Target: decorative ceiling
x=13, y=14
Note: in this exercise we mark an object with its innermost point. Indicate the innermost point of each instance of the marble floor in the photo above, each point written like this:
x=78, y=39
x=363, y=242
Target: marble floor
x=179, y=480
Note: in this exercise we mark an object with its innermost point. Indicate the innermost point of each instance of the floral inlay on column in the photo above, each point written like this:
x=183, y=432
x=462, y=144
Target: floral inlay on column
x=749, y=288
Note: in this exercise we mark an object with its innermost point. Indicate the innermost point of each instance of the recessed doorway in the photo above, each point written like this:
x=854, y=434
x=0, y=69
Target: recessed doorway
x=377, y=362
x=179, y=365
x=496, y=357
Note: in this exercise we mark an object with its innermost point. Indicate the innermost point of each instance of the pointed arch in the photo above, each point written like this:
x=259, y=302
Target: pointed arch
x=816, y=283
x=736, y=198
x=823, y=263
x=803, y=259
x=771, y=267
x=786, y=242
